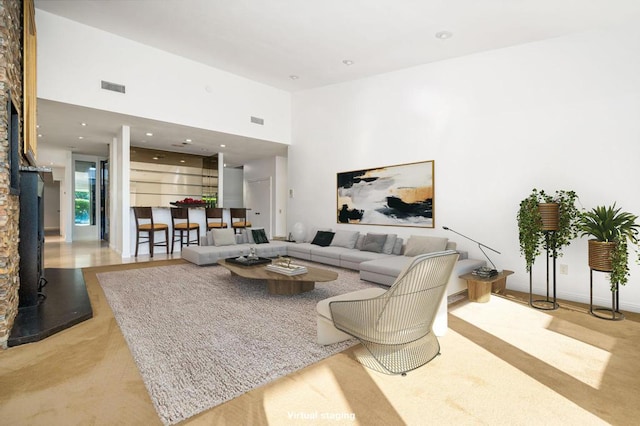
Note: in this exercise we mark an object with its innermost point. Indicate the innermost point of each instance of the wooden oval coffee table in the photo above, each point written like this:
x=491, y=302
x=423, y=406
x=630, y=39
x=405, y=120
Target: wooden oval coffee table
x=282, y=284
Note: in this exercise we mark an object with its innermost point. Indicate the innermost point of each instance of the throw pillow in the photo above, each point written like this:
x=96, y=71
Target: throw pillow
x=397, y=247
x=360, y=241
x=346, y=239
x=313, y=231
x=223, y=237
x=323, y=238
x=248, y=235
x=374, y=242
x=420, y=245
x=259, y=236
x=389, y=243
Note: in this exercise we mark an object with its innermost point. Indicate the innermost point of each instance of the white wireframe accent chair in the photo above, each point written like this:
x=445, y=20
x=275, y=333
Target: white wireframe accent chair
x=394, y=325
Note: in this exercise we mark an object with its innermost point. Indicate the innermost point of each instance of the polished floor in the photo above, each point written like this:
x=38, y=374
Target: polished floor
x=85, y=254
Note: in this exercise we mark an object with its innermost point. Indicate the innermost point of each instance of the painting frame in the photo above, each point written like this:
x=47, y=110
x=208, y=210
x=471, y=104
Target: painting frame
x=396, y=195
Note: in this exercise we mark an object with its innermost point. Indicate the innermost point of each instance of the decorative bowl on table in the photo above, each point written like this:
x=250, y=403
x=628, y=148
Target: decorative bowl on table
x=189, y=202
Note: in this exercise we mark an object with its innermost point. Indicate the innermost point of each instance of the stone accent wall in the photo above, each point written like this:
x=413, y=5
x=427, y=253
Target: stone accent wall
x=10, y=79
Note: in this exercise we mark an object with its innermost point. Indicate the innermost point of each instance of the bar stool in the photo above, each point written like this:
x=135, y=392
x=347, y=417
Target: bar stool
x=239, y=219
x=179, y=228
x=150, y=228
x=214, y=213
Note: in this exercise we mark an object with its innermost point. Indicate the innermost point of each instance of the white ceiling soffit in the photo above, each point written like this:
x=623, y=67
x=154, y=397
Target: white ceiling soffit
x=61, y=127
x=268, y=41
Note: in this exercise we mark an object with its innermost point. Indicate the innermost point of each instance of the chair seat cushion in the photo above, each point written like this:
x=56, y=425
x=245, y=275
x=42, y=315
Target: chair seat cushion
x=323, y=306
x=241, y=224
x=156, y=226
x=185, y=226
x=216, y=225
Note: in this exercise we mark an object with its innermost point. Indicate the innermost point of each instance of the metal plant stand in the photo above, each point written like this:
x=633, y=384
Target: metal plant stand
x=548, y=303
x=614, y=313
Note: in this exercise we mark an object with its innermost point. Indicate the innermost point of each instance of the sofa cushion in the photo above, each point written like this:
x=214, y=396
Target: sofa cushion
x=223, y=237
x=357, y=256
x=389, y=243
x=329, y=252
x=391, y=265
x=300, y=250
x=323, y=238
x=419, y=245
x=259, y=236
x=209, y=239
x=374, y=242
x=346, y=239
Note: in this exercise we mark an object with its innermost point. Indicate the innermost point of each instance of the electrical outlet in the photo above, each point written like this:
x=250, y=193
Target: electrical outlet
x=564, y=269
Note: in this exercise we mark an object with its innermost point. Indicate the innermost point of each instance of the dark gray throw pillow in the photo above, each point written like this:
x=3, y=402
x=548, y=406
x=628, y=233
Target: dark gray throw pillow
x=323, y=238
x=374, y=242
x=259, y=236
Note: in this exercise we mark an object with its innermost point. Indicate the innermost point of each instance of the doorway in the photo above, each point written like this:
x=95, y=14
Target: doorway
x=51, y=205
x=259, y=202
x=89, y=214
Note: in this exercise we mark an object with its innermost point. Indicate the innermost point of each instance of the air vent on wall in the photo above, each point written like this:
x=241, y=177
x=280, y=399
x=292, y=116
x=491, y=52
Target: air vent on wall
x=113, y=86
x=257, y=120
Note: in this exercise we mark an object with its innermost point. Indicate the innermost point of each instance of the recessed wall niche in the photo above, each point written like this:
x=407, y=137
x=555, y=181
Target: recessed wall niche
x=158, y=177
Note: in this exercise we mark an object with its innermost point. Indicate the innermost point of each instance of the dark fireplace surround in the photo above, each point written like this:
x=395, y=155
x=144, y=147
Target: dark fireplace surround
x=52, y=299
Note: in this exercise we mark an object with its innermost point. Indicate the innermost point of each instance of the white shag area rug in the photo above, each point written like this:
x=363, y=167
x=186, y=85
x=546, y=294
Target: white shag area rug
x=201, y=336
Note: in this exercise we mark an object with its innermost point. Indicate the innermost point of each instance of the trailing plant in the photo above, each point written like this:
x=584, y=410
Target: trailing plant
x=609, y=224
x=532, y=237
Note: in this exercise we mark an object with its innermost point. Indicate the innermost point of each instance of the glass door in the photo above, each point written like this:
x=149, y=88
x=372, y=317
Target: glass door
x=104, y=197
x=86, y=200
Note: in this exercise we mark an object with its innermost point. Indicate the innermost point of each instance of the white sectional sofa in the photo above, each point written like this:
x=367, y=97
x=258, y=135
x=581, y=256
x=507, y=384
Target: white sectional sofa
x=348, y=249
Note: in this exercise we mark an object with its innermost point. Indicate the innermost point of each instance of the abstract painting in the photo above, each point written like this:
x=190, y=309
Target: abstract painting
x=399, y=195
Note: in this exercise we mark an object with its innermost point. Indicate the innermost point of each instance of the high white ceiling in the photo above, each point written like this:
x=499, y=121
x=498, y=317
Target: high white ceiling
x=270, y=40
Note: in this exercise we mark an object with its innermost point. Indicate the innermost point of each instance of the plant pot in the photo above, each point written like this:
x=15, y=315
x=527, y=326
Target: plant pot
x=600, y=255
x=550, y=213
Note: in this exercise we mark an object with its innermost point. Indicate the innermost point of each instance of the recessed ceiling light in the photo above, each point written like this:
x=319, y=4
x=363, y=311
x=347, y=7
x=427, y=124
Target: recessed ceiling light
x=83, y=124
x=347, y=62
x=80, y=137
x=187, y=140
x=222, y=145
x=293, y=77
x=37, y=126
x=149, y=134
x=155, y=158
x=39, y=135
x=182, y=161
x=224, y=165
x=443, y=35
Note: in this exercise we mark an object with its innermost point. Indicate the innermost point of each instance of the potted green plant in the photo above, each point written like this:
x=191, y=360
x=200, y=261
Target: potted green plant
x=612, y=231
x=541, y=212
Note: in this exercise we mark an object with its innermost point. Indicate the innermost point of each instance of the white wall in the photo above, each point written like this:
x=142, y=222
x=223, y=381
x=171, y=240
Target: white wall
x=281, y=191
x=276, y=169
x=74, y=58
x=233, y=189
x=558, y=114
